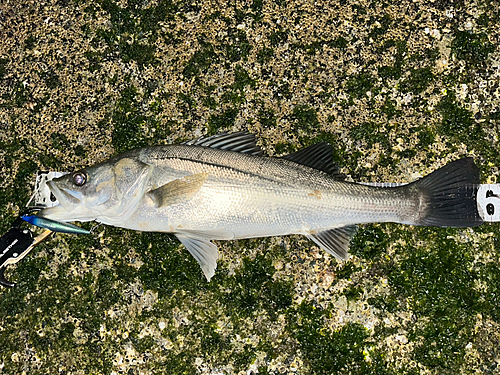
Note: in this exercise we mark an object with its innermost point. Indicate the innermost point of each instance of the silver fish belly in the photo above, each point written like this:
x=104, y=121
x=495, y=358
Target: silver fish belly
x=222, y=188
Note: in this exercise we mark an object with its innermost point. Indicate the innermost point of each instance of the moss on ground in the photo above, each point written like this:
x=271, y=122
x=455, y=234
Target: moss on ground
x=399, y=90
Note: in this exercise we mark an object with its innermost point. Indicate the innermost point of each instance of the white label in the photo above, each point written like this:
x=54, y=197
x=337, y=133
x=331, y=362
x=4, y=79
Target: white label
x=41, y=196
x=488, y=202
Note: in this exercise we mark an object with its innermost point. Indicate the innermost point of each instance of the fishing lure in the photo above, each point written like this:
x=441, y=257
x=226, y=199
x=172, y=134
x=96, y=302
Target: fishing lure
x=53, y=225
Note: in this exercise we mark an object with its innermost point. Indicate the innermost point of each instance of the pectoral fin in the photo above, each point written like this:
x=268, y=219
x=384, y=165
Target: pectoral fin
x=335, y=241
x=178, y=190
x=204, y=251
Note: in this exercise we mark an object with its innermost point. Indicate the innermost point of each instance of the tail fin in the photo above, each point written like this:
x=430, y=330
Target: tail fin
x=449, y=196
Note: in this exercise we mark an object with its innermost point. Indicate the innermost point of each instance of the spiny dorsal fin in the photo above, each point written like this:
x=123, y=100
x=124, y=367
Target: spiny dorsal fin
x=318, y=156
x=335, y=241
x=242, y=142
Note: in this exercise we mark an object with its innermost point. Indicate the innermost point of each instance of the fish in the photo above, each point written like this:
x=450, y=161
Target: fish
x=223, y=187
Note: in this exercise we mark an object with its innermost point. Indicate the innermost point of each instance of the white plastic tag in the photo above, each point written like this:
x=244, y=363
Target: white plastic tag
x=488, y=202
x=41, y=196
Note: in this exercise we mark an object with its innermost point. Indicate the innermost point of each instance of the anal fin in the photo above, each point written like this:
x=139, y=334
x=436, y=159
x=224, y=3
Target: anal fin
x=335, y=241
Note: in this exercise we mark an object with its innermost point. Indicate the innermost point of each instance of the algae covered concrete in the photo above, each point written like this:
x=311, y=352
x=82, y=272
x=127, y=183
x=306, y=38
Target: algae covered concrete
x=398, y=88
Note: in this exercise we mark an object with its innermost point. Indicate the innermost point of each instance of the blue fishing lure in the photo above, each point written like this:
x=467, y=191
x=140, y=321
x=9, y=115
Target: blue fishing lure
x=53, y=225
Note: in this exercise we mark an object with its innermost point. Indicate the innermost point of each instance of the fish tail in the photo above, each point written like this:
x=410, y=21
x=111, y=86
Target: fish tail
x=448, y=196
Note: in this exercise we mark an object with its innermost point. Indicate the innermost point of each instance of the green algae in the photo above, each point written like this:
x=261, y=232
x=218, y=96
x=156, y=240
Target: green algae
x=132, y=39
x=418, y=80
x=265, y=55
x=277, y=38
x=3, y=66
x=370, y=134
x=235, y=93
x=383, y=23
x=395, y=70
x=347, y=270
x=305, y=118
x=59, y=141
x=459, y=124
x=21, y=190
x=472, y=48
x=267, y=118
x=335, y=352
x=242, y=79
x=82, y=302
x=370, y=242
x=339, y=42
x=438, y=281
x=358, y=85
x=353, y=293
x=21, y=94
x=165, y=268
x=47, y=313
x=237, y=46
x=51, y=79
x=202, y=59
x=457, y=121
x=253, y=289
x=129, y=121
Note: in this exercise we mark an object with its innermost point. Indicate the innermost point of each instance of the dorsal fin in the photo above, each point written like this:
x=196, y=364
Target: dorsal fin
x=242, y=142
x=318, y=156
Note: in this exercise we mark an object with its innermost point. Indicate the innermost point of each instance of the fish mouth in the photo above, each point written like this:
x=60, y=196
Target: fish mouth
x=67, y=202
x=67, y=198
x=70, y=205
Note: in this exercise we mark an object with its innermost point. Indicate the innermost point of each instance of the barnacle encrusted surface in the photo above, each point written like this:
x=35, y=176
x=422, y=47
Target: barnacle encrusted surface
x=398, y=88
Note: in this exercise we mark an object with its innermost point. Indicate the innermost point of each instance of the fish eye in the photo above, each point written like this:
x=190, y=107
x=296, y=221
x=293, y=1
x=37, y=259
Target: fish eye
x=79, y=178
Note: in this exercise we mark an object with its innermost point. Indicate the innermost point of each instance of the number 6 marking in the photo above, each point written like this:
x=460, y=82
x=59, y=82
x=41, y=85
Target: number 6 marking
x=488, y=202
